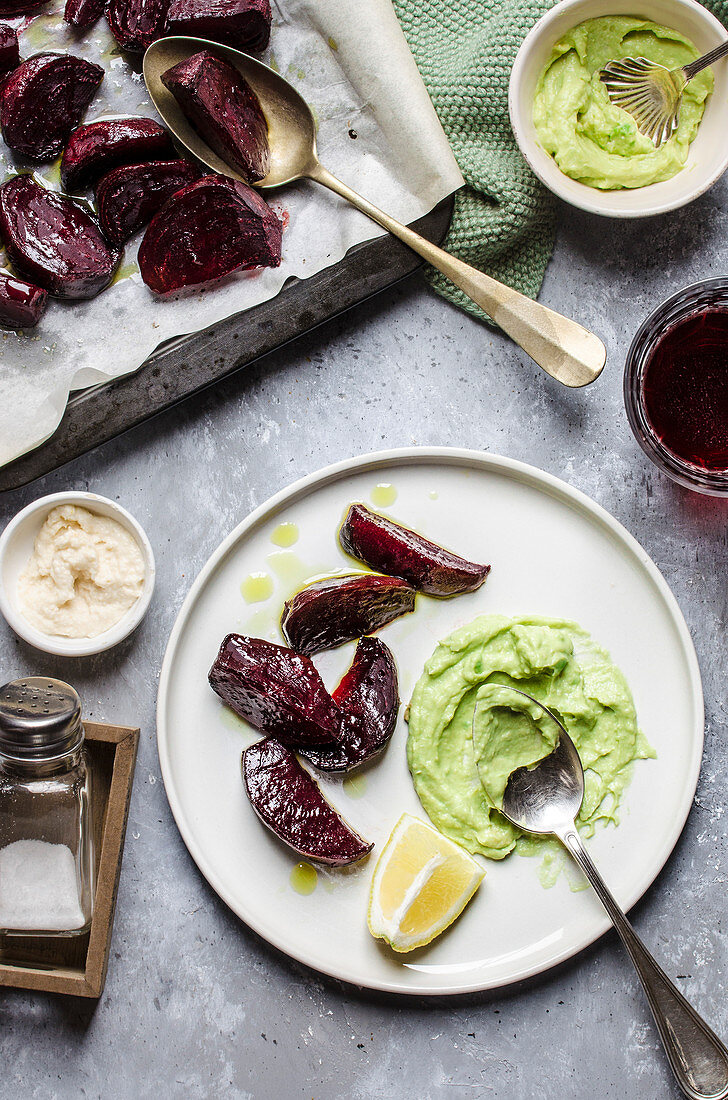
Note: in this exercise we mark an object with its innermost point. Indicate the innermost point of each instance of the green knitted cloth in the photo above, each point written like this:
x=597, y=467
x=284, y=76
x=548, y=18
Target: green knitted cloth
x=503, y=221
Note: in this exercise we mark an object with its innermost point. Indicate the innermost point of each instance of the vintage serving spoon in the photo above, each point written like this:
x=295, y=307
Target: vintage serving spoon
x=563, y=348
x=545, y=800
x=652, y=93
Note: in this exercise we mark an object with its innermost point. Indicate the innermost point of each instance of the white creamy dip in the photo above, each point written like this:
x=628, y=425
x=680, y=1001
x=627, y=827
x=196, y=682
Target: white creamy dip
x=85, y=572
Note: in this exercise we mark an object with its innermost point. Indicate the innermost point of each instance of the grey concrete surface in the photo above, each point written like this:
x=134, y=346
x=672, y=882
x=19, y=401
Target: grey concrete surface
x=196, y=1005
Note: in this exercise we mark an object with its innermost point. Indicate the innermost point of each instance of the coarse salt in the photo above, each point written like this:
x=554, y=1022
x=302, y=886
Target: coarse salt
x=39, y=887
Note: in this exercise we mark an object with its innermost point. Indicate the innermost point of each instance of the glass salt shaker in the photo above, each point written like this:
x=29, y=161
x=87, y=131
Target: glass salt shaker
x=47, y=865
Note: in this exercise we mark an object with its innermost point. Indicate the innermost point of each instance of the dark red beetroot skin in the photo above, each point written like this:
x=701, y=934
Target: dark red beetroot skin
x=391, y=548
x=333, y=611
x=288, y=801
x=21, y=304
x=369, y=701
x=9, y=50
x=128, y=197
x=83, y=13
x=54, y=241
x=276, y=690
x=244, y=24
x=9, y=8
x=224, y=110
x=135, y=24
x=43, y=100
x=207, y=230
x=98, y=147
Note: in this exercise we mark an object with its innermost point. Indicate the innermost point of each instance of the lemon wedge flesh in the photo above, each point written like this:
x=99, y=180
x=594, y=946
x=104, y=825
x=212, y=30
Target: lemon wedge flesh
x=421, y=884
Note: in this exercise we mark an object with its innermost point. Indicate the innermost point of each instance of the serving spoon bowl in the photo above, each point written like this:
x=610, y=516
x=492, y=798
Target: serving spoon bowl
x=564, y=349
x=652, y=93
x=545, y=799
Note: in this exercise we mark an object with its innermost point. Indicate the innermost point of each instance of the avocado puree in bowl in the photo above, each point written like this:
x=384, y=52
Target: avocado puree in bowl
x=460, y=772
x=591, y=139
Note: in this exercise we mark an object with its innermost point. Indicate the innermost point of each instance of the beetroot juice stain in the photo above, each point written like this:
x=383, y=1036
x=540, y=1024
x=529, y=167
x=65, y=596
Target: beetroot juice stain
x=685, y=389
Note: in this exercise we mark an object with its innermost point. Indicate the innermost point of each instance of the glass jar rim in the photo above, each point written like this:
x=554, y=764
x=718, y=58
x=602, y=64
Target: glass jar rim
x=708, y=293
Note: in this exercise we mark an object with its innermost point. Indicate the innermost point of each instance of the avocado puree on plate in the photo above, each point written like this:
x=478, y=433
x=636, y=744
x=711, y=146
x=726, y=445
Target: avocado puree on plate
x=590, y=139
x=460, y=772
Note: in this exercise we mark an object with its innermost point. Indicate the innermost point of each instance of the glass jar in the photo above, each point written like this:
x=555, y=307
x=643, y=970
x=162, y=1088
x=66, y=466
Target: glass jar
x=705, y=298
x=47, y=864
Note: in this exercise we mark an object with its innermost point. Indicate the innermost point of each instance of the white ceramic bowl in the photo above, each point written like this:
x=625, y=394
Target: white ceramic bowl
x=708, y=156
x=16, y=547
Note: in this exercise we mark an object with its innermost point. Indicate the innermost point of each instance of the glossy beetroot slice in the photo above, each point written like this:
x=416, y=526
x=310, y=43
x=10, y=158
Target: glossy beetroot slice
x=21, y=304
x=83, y=13
x=288, y=801
x=224, y=110
x=393, y=549
x=369, y=701
x=54, y=240
x=98, y=147
x=244, y=24
x=128, y=197
x=135, y=24
x=333, y=611
x=276, y=690
x=209, y=229
x=10, y=8
x=43, y=100
x=9, y=49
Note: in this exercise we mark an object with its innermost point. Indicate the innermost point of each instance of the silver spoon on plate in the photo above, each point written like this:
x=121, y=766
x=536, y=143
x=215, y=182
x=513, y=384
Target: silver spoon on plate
x=563, y=348
x=546, y=800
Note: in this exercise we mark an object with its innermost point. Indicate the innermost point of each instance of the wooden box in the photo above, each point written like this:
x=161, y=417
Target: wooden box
x=77, y=965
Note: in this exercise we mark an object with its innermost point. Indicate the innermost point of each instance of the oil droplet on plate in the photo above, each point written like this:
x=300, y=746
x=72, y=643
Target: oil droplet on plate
x=125, y=271
x=285, y=534
x=230, y=719
x=355, y=785
x=384, y=494
x=289, y=567
x=257, y=587
x=433, y=494
x=303, y=879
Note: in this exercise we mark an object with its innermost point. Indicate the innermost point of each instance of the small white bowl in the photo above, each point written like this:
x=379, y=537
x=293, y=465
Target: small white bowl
x=708, y=156
x=16, y=547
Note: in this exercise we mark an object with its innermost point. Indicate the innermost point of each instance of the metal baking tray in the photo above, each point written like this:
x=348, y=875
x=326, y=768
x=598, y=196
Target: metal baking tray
x=184, y=366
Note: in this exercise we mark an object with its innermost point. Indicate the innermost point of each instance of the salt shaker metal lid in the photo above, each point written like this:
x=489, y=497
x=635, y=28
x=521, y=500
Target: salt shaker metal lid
x=40, y=718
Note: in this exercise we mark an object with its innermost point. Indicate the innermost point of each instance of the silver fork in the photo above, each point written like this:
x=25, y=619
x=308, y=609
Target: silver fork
x=651, y=93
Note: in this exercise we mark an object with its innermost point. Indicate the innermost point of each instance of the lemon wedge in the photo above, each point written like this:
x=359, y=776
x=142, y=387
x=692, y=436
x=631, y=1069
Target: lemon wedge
x=421, y=884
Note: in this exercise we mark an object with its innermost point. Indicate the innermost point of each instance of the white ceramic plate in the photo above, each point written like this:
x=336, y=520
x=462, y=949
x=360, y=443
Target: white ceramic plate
x=554, y=552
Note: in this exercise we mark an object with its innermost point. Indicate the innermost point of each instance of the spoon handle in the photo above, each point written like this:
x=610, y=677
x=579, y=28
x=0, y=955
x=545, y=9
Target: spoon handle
x=565, y=350
x=696, y=1055
x=693, y=67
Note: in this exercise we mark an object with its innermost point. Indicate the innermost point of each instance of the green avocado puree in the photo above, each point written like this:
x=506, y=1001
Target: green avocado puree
x=590, y=139
x=460, y=768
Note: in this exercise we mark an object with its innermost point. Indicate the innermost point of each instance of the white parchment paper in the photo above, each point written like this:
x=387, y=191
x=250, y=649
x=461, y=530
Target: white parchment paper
x=350, y=61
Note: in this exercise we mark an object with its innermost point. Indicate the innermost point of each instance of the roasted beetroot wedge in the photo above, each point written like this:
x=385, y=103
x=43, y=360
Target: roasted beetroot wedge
x=128, y=197
x=43, y=100
x=288, y=801
x=9, y=50
x=98, y=147
x=224, y=110
x=10, y=8
x=207, y=230
x=276, y=690
x=393, y=549
x=333, y=611
x=21, y=304
x=369, y=701
x=244, y=24
x=83, y=13
x=54, y=240
x=135, y=24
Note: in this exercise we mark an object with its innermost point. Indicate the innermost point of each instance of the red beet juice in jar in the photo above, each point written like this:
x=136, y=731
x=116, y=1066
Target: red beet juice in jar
x=685, y=389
